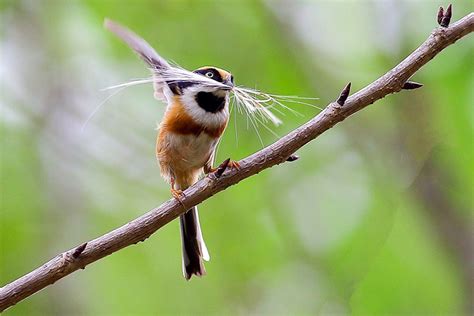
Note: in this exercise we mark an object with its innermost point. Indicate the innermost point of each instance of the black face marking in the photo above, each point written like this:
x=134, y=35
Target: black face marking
x=174, y=87
x=211, y=73
x=210, y=102
x=178, y=87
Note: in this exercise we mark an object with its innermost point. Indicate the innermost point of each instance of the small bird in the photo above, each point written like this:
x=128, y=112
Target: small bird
x=195, y=118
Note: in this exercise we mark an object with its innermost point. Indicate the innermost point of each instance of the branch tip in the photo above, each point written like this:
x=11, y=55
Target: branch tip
x=447, y=17
x=79, y=249
x=344, y=94
x=440, y=15
x=292, y=158
x=411, y=85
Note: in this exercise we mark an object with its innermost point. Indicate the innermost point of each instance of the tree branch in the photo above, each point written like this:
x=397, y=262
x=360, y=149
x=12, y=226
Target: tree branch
x=279, y=152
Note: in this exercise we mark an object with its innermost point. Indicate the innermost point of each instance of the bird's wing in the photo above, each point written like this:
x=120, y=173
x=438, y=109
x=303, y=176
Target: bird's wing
x=146, y=52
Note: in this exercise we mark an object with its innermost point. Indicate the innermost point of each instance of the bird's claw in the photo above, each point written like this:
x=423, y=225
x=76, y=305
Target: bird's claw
x=177, y=194
x=233, y=164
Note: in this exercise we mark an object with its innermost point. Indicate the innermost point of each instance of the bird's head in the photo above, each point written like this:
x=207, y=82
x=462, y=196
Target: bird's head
x=205, y=92
x=217, y=74
x=210, y=98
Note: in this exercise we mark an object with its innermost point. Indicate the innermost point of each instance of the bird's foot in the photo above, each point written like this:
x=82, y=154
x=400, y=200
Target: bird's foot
x=234, y=164
x=177, y=194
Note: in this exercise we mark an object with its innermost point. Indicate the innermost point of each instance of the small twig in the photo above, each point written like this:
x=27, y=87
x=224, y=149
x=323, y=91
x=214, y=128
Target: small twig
x=77, y=252
x=440, y=15
x=446, y=17
x=222, y=167
x=344, y=94
x=293, y=157
x=411, y=85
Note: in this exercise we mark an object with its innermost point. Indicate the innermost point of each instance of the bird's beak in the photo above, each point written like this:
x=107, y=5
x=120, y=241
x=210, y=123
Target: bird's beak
x=229, y=84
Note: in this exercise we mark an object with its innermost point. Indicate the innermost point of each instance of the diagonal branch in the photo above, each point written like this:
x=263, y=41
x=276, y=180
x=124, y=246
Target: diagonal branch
x=282, y=150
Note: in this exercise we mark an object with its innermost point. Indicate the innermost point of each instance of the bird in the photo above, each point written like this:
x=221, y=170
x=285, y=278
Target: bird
x=194, y=121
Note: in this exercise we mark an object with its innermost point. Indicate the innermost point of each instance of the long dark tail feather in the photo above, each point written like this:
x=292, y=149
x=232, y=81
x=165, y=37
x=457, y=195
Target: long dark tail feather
x=194, y=249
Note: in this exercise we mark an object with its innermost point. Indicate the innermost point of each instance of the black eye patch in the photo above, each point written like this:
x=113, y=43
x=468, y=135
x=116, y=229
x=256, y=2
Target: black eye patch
x=178, y=87
x=215, y=74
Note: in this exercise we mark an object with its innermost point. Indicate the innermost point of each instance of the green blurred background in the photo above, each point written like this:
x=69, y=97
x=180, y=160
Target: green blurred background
x=374, y=219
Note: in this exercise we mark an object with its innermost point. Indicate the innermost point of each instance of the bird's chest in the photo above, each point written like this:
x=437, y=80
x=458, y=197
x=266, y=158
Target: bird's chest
x=184, y=140
x=190, y=150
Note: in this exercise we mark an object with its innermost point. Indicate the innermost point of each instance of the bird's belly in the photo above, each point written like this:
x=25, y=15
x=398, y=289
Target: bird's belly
x=192, y=150
x=181, y=154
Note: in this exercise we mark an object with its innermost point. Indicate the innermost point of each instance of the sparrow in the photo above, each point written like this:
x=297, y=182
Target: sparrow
x=195, y=119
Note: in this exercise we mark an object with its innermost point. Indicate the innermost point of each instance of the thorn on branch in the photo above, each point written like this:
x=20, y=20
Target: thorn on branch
x=344, y=94
x=447, y=17
x=411, y=85
x=292, y=158
x=440, y=15
x=444, y=17
x=222, y=167
x=77, y=252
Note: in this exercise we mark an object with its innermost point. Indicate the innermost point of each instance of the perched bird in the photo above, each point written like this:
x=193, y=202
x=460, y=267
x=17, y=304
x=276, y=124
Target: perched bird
x=196, y=116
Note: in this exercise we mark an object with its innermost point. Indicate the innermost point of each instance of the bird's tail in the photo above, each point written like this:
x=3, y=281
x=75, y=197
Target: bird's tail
x=194, y=248
x=138, y=44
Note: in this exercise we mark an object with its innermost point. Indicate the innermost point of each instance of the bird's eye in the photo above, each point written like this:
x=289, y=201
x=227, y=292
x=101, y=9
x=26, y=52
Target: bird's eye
x=209, y=74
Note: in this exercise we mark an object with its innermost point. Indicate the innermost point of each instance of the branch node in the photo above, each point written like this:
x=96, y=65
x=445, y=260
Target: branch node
x=446, y=17
x=292, y=158
x=79, y=249
x=344, y=94
x=411, y=85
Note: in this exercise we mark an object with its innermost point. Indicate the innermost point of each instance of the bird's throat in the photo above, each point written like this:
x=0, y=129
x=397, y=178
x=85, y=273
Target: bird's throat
x=210, y=102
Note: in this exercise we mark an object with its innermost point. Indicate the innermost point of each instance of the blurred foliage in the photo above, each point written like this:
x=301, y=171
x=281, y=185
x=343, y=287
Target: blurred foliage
x=374, y=219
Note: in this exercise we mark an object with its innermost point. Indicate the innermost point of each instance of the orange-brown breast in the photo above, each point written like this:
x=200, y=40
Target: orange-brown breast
x=177, y=121
x=179, y=163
